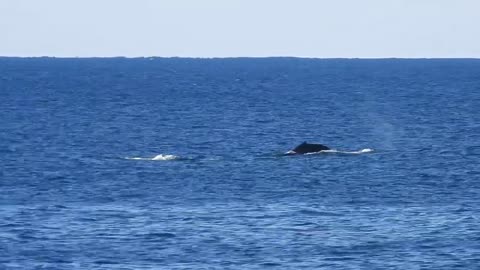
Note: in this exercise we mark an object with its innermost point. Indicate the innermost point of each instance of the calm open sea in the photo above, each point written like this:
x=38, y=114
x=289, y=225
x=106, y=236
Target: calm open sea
x=177, y=164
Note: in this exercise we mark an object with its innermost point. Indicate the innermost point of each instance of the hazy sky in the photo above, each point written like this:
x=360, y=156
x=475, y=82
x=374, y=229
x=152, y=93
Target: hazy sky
x=221, y=28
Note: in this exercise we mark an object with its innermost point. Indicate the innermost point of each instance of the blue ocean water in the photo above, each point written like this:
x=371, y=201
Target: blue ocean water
x=177, y=164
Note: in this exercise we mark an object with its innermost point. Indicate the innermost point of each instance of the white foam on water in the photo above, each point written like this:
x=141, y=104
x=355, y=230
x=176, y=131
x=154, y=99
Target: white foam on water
x=165, y=157
x=362, y=151
x=160, y=157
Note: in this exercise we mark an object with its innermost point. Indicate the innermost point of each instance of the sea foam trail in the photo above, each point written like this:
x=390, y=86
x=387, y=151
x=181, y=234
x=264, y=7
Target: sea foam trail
x=160, y=157
x=363, y=151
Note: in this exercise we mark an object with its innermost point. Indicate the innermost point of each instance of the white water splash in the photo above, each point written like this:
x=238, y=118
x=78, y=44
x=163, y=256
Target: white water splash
x=165, y=157
x=363, y=151
x=160, y=157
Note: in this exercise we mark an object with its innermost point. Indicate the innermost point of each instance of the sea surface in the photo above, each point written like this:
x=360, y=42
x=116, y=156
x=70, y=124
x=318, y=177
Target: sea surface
x=156, y=163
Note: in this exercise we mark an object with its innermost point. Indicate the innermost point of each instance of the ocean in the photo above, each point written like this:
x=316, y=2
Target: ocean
x=177, y=163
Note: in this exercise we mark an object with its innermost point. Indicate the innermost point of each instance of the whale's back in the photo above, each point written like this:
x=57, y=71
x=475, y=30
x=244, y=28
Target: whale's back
x=309, y=148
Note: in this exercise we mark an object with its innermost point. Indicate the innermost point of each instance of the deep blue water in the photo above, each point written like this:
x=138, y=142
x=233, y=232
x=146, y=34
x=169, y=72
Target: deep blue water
x=79, y=188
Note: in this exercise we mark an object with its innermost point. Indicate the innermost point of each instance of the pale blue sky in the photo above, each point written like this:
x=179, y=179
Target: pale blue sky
x=231, y=28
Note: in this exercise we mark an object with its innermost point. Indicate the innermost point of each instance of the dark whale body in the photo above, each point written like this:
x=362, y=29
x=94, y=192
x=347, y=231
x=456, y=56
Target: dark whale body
x=306, y=148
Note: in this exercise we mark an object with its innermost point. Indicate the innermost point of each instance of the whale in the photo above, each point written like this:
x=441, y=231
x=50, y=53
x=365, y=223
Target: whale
x=306, y=148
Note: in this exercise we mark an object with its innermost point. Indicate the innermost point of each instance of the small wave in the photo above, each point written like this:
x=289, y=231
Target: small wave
x=315, y=212
x=160, y=157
